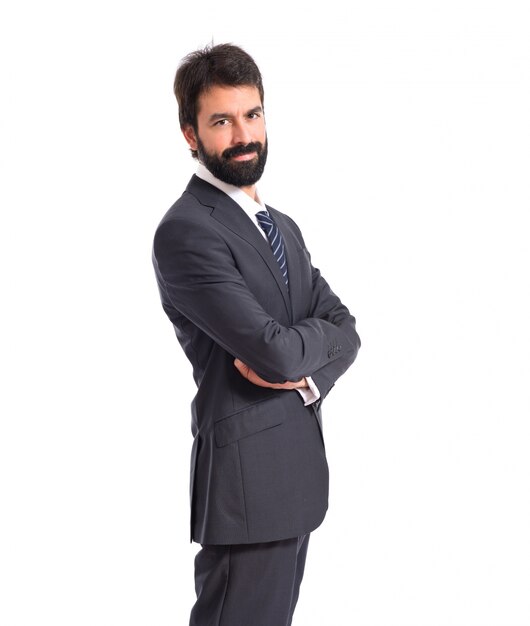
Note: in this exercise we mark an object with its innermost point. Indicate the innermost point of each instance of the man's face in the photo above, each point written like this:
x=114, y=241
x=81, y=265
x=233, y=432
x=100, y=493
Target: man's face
x=231, y=139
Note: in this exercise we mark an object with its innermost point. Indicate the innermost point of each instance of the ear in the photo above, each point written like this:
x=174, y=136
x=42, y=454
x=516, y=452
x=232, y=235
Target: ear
x=189, y=136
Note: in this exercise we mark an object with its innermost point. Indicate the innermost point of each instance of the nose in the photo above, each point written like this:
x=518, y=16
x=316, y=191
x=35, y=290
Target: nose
x=241, y=133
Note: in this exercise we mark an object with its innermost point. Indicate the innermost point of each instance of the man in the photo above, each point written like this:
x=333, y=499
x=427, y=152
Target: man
x=267, y=339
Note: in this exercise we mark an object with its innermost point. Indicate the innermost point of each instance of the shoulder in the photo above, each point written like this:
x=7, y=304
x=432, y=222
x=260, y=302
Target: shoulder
x=192, y=210
x=196, y=203
x=187, y=228
x=187, y=207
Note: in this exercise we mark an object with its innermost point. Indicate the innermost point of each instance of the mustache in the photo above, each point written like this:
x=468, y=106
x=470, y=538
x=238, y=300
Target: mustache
x=255, y=146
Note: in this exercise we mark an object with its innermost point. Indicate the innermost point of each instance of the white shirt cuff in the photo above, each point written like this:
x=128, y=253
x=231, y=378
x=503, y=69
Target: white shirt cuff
x=311, y=393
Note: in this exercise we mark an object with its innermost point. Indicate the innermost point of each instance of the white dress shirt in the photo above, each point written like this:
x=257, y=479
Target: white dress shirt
x=251, y=207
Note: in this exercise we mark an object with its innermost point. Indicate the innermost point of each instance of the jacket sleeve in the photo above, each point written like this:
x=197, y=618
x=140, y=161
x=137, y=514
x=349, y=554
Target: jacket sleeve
x=325, y=305
x=328, y=307
x=199, y=278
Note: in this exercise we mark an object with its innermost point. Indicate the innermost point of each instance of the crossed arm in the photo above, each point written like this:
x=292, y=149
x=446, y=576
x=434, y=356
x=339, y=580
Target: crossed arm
x=201, y=280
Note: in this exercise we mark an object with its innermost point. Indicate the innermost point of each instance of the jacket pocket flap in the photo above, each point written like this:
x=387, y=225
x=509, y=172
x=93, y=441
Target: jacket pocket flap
x=249, y=421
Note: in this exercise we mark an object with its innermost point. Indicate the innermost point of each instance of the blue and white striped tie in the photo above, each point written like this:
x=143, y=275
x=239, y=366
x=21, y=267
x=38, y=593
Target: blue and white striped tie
x=275, y=239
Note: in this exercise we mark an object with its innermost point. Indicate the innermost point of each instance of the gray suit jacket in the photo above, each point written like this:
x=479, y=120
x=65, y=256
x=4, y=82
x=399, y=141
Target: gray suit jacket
x=258, y=467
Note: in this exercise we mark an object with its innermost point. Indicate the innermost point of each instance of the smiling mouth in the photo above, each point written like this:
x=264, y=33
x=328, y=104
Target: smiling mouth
x=244, y=157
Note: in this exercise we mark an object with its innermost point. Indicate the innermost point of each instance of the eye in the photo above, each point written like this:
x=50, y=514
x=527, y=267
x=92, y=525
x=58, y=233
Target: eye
x=254, y=115
x=222, y=122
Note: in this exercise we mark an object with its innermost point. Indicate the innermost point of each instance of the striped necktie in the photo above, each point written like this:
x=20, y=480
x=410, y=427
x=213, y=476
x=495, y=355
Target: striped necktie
x=275, y=239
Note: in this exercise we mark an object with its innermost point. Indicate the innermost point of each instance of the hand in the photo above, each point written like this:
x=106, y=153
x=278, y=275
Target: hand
x=253, y=378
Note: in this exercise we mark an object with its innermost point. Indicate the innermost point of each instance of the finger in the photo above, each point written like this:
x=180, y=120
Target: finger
x=243, y=369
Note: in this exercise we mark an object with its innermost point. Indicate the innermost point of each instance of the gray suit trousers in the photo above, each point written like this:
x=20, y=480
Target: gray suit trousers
x=248, y=584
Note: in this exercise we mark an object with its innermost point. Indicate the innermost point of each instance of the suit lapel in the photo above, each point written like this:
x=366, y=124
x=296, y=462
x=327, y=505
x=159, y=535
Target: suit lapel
x=231, y=215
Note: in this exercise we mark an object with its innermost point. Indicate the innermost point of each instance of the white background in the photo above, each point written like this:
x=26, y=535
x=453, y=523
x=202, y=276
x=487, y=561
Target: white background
x=400, y=142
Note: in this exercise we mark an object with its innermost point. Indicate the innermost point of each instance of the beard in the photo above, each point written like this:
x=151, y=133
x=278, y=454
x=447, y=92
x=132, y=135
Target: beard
x=237, y=173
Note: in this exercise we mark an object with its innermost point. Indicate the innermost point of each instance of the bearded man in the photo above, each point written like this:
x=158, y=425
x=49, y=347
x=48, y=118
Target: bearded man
x=267, y=339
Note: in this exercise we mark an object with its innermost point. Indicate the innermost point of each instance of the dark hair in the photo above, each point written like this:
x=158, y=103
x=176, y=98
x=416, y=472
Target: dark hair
x=223, y=64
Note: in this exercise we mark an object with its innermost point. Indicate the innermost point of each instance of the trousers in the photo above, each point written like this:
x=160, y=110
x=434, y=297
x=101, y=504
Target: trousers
x=248, y=584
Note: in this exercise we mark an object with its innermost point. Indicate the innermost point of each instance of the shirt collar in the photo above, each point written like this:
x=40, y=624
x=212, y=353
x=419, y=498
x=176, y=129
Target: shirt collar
x=250, y=206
